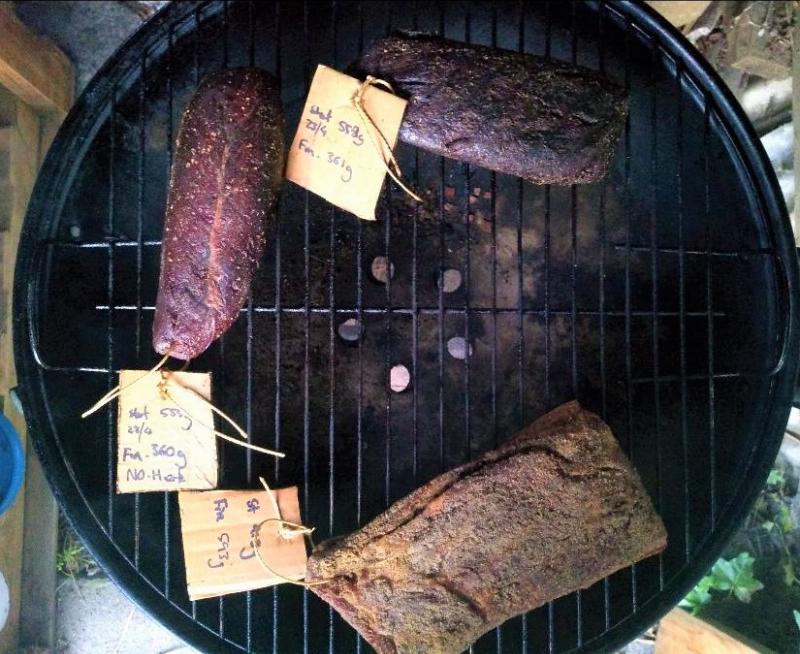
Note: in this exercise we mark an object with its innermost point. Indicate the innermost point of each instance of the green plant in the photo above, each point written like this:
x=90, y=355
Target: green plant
x=72, y=557
x=72, y=560
x=734, y=577
x=771, y=527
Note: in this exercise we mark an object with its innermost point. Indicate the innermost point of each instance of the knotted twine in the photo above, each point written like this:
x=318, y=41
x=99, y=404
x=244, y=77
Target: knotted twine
x=167, y=381
x=287, y=531
x=385, y=153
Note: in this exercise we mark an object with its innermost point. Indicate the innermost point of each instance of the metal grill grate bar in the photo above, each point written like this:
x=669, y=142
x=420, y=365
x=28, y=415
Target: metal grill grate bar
x=251, y=57
x=551, y=638
x=331, y=351
x=520, y=297
x=628, y=306
x=110, y=226
x=682, y=305
x=360, y=318
x=196, y=83
x=574, y=306
x=602, y=291
x=139, y=257
x=342, y=310
x=645, y=249
x=711, y=390
x=170, y=154
x=277, y=442
x=654, y=275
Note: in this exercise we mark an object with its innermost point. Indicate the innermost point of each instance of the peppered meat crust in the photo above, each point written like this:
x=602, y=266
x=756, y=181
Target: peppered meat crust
x=555, y=509
x=546, y=121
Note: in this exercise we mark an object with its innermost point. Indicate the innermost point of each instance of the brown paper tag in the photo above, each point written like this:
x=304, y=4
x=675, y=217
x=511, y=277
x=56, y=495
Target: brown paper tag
x=217, y=528
x=332, y=154
x=161, y=446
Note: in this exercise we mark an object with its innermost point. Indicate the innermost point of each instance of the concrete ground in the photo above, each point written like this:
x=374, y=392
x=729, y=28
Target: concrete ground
x=94, y=616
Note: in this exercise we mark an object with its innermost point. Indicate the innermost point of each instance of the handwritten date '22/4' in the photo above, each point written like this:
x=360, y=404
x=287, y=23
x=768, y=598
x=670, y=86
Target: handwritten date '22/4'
x=333, y=159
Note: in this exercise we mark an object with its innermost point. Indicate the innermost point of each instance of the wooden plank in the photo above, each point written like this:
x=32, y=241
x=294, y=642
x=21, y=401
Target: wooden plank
x=11, y=527
x=36, y=90
x=760, y=41
x=680, y=12
x=21, y=141
x=39, y=551
x=23, y=156
x=37, y=612
x=32, y=68
x=681, y=633
x=40, y=528
x=6, y=190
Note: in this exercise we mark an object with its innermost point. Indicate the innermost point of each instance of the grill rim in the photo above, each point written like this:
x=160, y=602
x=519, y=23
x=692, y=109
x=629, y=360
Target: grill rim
x=55, y=179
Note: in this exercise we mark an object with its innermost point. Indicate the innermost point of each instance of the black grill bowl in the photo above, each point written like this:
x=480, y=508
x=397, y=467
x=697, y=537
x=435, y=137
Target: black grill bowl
x=664, y=299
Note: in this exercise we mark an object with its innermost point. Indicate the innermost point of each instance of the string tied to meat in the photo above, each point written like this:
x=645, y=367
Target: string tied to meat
x=287, y=531
x=167, y=384
x=115, y=392
x=383, y=148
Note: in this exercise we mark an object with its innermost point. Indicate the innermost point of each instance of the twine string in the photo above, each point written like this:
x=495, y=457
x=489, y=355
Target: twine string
x=385, y=152
x=287, y=531
x=167, y=380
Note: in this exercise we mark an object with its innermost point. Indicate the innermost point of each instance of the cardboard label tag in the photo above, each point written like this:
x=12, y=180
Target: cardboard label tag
x=218, y=527
x=332, y=154
x=162, y=446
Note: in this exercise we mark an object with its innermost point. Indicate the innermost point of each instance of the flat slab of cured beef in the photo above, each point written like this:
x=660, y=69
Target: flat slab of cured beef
x=556, y=508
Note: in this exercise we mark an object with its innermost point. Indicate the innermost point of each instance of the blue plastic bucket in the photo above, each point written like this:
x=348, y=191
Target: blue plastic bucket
x=12, y=464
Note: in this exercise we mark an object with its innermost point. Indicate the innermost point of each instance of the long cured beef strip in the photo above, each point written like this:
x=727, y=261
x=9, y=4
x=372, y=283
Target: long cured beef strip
x=546, y=121
x=555, y=509
x=225, y=179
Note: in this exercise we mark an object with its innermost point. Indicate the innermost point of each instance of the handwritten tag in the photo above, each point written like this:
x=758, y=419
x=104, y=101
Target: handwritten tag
x=333, y=155
x=162, y=446
x=218, y=529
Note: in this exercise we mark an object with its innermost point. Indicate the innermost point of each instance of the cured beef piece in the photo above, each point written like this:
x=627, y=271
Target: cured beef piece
x=555, y=509
x=225, y=179
x=546, y=121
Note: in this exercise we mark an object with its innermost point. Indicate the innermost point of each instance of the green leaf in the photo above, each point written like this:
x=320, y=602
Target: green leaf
x=734, y=576
x=788, y=572
x=768, y=525
x=796, y=614
x=696, y=600
x=785, y=519
x=744, y=584
x=705, y=584
x=723, y=575
x=775, y=478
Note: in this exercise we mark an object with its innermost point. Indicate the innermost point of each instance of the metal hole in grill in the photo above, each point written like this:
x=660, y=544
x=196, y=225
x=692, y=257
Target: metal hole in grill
x=662, y=298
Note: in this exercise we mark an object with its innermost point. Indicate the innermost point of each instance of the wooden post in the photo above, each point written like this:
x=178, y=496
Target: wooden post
x=32, y=68
x=36, y=91
x=680, y=12
x=681, y=633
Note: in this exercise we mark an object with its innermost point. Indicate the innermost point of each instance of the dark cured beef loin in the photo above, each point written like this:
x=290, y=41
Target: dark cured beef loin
x=225, y=179
x=555, y=509
x=546, y=121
